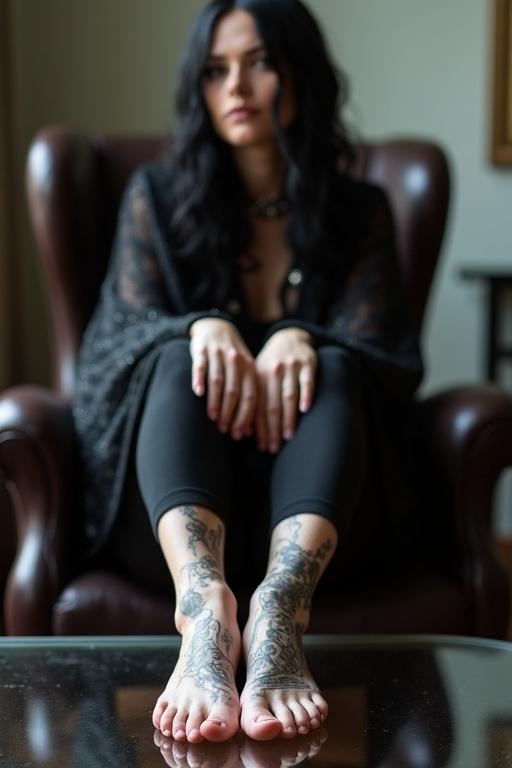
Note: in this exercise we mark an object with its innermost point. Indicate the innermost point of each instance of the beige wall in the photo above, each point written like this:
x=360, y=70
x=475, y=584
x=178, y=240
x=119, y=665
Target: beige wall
x=98, y=65
x=424, y=68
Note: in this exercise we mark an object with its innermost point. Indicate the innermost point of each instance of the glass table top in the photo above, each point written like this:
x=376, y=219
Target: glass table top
x=399, y=702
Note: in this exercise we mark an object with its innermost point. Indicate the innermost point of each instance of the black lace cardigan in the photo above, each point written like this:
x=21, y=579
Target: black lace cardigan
x=144, y=302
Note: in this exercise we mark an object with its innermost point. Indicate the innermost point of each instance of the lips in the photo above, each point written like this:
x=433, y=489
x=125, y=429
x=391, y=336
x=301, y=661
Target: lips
x=241, y=113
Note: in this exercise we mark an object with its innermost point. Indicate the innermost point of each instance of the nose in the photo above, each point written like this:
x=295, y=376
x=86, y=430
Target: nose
x=237, y=81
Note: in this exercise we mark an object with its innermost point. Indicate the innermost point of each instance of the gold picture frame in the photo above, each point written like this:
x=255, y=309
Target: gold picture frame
x=501, y=143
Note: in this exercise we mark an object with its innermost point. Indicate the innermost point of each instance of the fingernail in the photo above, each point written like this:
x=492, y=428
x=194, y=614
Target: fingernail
x=198, y=389
x=237, y=434
x=213, y=415
x=288, y=434
x=274, y=447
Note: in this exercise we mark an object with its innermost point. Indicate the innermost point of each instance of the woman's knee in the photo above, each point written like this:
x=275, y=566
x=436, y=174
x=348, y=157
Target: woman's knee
x=174, y=361
x=338, y=369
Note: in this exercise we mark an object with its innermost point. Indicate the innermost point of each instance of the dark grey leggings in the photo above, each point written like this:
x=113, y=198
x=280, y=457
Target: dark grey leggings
x=181, y=458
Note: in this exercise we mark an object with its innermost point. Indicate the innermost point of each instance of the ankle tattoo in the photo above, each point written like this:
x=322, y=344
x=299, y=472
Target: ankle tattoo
x=275, y=658
x=205, y=544
x=207, y=661
x=294, y=571
x=200, y=533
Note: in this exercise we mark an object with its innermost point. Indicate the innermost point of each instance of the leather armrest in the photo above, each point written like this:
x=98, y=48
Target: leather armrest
x=465, y=443
x=37, y=460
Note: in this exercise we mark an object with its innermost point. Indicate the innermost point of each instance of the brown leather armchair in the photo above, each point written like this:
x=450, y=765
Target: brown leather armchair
x=454, y=583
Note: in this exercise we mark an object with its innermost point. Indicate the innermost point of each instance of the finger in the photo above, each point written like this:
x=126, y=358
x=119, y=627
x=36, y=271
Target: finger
x=242, y=424
x=274, y=407
x=231, y=393
x=215, y=382
x=306, y=387
x=260, y=418
x=290, y=393
x=199, y=368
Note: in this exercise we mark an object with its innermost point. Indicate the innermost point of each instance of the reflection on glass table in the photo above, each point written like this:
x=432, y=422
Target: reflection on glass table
x=394, y=703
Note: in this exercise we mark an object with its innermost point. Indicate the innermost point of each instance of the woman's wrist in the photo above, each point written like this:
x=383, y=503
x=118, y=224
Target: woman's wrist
x=299, y=333
x=207, y=319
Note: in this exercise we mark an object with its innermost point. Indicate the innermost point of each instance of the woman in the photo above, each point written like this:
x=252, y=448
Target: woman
x=251, y=334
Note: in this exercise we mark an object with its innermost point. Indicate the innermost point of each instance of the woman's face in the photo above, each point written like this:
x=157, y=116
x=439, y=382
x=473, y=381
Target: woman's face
x=239, y=86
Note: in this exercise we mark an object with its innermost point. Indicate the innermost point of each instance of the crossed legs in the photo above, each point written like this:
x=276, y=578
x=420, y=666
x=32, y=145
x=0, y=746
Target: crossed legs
x=280, y=696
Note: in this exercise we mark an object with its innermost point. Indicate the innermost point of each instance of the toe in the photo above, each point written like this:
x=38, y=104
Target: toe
x=259, y=723
x=300, y=715
x=221, y=724
x=193, y=729
x=179, y=725
x=287, y=720
x=313, y=712
x=158, y=711
x=167, y=719
x=322, y=705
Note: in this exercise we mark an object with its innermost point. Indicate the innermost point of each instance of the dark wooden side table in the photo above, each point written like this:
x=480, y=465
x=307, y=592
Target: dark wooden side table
x=499, y=281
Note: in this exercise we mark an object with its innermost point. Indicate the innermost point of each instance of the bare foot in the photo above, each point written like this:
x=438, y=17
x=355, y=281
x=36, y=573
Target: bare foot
x=200, y=700
x=280, y=697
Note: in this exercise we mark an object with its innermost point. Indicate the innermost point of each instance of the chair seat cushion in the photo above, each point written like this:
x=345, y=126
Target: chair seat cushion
x=103, y=603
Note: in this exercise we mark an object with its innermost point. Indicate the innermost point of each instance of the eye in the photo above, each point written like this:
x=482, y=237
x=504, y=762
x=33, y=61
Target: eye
x=213, y=71
x=262, y=62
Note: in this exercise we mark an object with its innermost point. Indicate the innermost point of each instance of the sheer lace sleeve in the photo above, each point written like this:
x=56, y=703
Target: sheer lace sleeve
x=140, y=282
x=142, y=301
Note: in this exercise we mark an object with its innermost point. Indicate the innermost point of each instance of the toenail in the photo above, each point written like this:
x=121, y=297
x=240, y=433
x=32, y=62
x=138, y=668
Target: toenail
x=303, y=729
x=180, y=733
x=315, y=723
x=262, y=718
x=290, y=729
x=167, y=733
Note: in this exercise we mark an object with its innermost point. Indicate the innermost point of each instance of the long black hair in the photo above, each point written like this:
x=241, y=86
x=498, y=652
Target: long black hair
x=208, y=224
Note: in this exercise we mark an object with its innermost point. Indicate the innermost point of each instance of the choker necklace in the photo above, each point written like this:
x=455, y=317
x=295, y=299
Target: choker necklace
x=268, y=208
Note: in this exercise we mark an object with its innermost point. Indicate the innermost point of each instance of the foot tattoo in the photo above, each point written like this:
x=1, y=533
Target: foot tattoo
x=201, y=700
x=280, y=696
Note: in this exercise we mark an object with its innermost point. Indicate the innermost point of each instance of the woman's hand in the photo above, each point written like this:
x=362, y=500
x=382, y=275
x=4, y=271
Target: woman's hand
x=223, y=367
x=285, y=368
